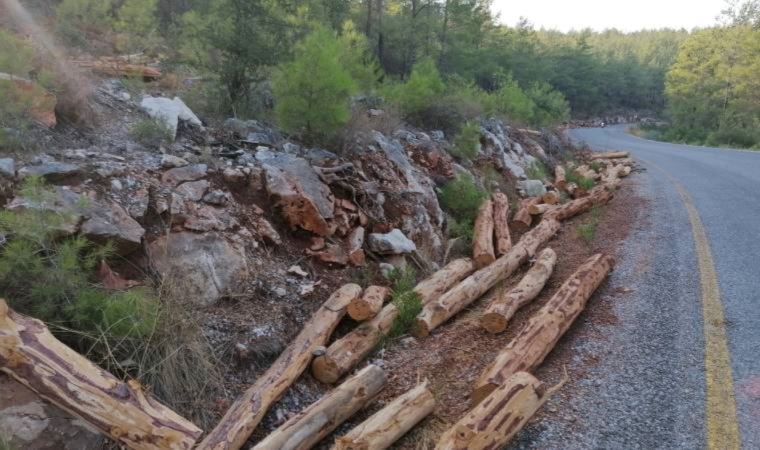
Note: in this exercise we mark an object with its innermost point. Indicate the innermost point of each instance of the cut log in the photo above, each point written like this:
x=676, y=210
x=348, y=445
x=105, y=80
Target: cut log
x=507, y=302
x=441, y=281
x=123, y=411
x=473, y=287
x=369, y=304
x=308, y=427
x=586, y=172
x=539, y=336
x=248, y=410
x=390, y=423
x=345, y=353
x=551, y=198
x=501, y=223
x=559, y=178
x=575, y=191
x=610, y=155
x=597, y=196
x=496, y=420
x=482, y=245
x=522, y=220
x=541, y=208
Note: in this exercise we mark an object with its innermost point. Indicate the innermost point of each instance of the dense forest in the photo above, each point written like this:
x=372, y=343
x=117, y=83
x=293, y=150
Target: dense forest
x=438, y=63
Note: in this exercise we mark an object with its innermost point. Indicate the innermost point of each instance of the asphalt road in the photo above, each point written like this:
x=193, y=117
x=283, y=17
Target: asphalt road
x=660, y=383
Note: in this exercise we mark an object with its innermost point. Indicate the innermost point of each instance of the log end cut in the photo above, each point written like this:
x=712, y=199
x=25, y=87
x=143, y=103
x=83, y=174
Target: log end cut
x=493, y=322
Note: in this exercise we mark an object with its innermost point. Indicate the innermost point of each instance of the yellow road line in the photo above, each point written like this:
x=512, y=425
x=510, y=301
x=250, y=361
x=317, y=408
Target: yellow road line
x=722, y=424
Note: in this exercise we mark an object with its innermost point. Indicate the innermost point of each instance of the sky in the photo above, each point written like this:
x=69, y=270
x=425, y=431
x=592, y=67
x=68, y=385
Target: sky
x=628, y=15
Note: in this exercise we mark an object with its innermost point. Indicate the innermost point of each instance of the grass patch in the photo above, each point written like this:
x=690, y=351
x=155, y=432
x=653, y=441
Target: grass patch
x=150, y=132
x=537, y=171
x=587, y=230
x=582, y=182
x=408, y=302
x=596, y=166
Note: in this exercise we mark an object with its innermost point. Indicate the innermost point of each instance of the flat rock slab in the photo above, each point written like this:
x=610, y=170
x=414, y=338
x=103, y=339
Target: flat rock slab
x=183, y=174
x=111, y=223
x=53, y=171
x=205, y=265
x=394, y=242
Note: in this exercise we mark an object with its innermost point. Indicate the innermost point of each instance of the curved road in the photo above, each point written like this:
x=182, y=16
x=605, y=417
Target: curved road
x=684, y=364
x=679, y=366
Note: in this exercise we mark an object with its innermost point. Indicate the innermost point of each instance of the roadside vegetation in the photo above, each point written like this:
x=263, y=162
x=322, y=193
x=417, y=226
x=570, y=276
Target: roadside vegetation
x=461, y=198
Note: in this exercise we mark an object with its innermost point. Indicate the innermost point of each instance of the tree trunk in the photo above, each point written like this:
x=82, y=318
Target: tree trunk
x=440, y=282
x=482, y=245
x=495, y=421
x=610, y=155
x=312, y=424
x=369, y=304
x=522, y=220
x=597, y=196
x=501, y=223
x=248, y=410
x=551, y=198
x=506, y=303
x=541, y=208
x=390, y=423
x=559, y=178
x=539, y=336
x=123, y=411
x=348, y=351
x=473, y=287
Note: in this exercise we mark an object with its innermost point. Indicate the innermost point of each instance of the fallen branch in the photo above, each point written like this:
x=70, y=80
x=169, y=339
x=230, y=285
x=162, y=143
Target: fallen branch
x=498, y=418
x=309, y=426
x=248, y=410
x=539, y=336
x=390, y=423
x=123, y=411
x=473, y=287
x=506, y=303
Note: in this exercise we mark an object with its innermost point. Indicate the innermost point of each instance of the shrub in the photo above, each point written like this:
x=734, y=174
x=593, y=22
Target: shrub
x=74, y=16
x=462, y=198
x=312, y=92
x=408, y=302
x=136, y=19
x=424, y=86
x=536, y=171
x=511, y=101
x=467, y=142
x=150, y=132
x=551, y=106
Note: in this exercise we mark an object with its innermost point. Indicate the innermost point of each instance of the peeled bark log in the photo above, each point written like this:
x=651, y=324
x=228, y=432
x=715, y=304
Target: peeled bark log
x=575, y=191
x=248, y=410
x=123, y=411
x=610, y=155
x=369, y=304
x=541, y=208
x=597, y=196
x=348, y=351
x=312, y=424
x=559, y=178
x=390, y=423
x=496, y=420
x=539, y=336
x=506, y=303
x=551, y=198
x=441, y=281
x=522, y=220
x=586, y=172
x=473, y=287
x=482, y=246
x=501, y=223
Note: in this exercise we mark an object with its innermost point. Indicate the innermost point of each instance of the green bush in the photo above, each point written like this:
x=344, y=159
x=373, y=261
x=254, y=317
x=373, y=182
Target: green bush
x=462, y=198
x=582, y=182
x=423, y=88
x=467, y=142
x=136, y=20
x=407, y=301
x=312, y=92
x=74, y=16
x=551, y=106
x=150, y=132
x=511, y=101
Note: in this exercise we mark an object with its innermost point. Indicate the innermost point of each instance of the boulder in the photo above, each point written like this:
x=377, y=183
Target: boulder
x=8, y=167
x=531, y=188
x=65, y=203
x=171, y=162
x=304, y=200
x=179, y=175
x=193, y=190
x=391, y=243
x=112, y=224
x=53, y=172
x=205, y=265
x=28, y=422
x=170, y=112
